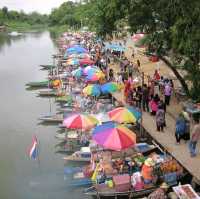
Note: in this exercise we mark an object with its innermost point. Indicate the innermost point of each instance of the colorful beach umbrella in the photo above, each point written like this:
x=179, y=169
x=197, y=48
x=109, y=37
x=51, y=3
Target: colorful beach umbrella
x=114, y=136
x=80, y=121
x=77, y=73
x=86, y=62
x=125, y=115
x=92, y=89
x=76, y=50
x=86, y=69
x=73, y=61
x=109, y=87
x=84, y=56
x=95, y=76
x=89, y=70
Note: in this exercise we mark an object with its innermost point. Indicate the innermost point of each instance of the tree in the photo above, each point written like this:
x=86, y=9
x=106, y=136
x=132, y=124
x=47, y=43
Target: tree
x=5, y=11
x=173, y=27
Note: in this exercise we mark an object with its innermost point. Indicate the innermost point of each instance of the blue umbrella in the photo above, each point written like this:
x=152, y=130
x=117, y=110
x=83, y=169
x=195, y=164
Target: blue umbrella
x=76, y=50
x=109, y=87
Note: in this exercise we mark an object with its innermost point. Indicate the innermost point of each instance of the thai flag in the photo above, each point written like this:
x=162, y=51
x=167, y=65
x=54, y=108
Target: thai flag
x=33, y=152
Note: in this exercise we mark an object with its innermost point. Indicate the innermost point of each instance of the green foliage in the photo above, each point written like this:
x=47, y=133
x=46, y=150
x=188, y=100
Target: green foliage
x=173, y=28
x=21, y=21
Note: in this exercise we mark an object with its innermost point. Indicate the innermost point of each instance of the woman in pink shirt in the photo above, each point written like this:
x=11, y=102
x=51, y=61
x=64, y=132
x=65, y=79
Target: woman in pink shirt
x=153, y=106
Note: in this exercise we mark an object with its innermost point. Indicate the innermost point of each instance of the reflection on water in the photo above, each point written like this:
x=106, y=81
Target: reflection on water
x=21, y=178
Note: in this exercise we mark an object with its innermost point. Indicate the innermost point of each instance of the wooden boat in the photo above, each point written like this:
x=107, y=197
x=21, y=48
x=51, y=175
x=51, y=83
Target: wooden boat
x=112, y=193
x=63, y=75
x=58, y=118
x=69, y=170
x=50, y=93
x=80, y=181
x=85, y=182
x=60, y=136
x=47, y=67
x=67, y=109
x=84, y=155
x=38, y=84
x=64, y=99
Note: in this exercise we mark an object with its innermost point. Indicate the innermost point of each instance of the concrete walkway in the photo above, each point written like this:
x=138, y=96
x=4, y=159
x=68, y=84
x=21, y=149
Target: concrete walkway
x=167, y=138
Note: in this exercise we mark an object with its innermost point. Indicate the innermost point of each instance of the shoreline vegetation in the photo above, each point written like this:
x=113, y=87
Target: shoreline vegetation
x=24, y=27
x=172, y=29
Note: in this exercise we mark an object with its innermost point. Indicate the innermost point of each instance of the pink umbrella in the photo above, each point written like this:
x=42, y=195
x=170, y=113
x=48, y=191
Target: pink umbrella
x=113, y=136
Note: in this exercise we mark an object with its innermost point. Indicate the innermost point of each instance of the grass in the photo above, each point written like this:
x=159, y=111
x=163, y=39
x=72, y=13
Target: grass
x=23, y=26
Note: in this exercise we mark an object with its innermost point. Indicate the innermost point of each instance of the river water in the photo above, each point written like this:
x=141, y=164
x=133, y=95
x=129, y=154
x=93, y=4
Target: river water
x=20, y=177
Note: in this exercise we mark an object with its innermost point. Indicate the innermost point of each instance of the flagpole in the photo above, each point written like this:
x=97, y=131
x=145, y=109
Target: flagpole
x=38, y=159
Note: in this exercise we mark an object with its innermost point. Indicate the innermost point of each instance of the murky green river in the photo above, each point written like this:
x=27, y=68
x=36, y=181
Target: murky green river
x=21, y=178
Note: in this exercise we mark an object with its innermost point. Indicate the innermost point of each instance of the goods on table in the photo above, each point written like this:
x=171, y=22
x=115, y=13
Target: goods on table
x=185, y=191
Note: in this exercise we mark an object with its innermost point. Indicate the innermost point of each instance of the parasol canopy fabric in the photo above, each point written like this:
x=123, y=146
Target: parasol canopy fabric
x=114, y=136
x=92, y=89
x=77, y=73
x=86, y=61
x=94, y=74
x=73, y=61
x=80, y=121
x=88, y=68
x=125, y=115
x=109, y=87
x=76, y=49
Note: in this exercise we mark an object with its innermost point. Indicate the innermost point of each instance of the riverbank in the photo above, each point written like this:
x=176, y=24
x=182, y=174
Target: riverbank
x=12, y=26
x=166, y=139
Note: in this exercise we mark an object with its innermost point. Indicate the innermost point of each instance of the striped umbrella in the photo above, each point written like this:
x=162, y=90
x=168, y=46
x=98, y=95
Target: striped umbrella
x=92, y=89
x=114, y=136
x=72, y=61
x=125, y=115
x=109, y=87
x=95, y=76
x=80, y=121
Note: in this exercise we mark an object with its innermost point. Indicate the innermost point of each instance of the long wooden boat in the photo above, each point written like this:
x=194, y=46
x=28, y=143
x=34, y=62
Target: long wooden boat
x=50, y=93
x=112, y=193
x=47, y=67
x=84, y=155
x=84, y=182
x=64, y=99
x=58, y=118
x=67, y=109
x=77, y=178
x=63, y=75
x=38, y=84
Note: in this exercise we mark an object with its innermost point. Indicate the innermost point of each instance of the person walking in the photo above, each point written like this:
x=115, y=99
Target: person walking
x=180, y=128
x=160, y=118
x=194, y=138
x=153, y=106
x=167, y=92
x=145, y=98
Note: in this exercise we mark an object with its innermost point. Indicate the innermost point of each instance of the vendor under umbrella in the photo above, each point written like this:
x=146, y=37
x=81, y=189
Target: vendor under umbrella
x=147, y=170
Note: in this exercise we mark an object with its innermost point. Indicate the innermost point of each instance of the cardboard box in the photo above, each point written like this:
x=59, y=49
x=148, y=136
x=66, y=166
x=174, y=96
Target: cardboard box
x=122, y=182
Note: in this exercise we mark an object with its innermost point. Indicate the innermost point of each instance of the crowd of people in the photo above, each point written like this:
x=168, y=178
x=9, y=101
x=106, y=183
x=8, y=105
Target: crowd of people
x=154, y=97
